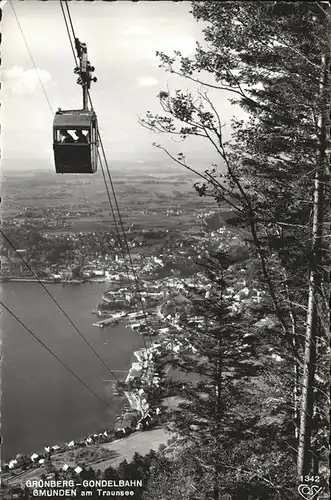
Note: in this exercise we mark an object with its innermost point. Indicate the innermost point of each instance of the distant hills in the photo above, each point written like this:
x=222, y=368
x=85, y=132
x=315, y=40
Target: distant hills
x=32, y=167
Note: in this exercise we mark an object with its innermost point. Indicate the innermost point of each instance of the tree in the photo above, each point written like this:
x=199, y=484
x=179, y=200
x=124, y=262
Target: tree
x=77, y=272
x=168, y=480
x=143, y=465
x=274, y=58
x=110, y=473
x=49, y=467
x=231, y=412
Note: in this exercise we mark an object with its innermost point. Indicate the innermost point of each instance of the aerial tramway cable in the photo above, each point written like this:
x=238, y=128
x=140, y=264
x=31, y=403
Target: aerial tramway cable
x=115, y=222
x=118, y=234
x=53, y=354
x=68, y=31
x=42, y=86
x=124, y=235
x=99, y=157
x=12, y=245
x=58, y=305
x=31, y=57
x=109, y=198
x=126, y=246
x=76, y=62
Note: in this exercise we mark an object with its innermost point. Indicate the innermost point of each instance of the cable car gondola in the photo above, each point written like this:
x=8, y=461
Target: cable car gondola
x=75, y=132
x=75, y=141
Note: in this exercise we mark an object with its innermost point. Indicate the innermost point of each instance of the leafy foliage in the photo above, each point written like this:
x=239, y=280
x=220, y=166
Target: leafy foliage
x=273, y=59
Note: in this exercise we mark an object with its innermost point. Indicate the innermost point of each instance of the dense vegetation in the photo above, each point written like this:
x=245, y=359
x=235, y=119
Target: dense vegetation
x=273, y=59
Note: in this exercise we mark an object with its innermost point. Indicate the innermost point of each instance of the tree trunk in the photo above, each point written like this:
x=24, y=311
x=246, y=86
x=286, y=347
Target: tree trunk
x=304, y=463
x=218, y=411
x=295, y=390
x=304, y=458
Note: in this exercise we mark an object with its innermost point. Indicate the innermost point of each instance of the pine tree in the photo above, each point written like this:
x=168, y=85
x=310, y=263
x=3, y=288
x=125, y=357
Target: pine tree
x=168, y=480
x=110, y=473
x=274, y=58
x=224, y=421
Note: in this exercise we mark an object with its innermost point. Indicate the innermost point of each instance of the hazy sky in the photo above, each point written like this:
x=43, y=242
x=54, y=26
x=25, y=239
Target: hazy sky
x=122, y=38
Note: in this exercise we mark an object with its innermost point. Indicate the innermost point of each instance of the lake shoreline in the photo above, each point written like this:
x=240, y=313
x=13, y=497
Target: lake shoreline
x=108, y=436
x=115, y=336
x=52, y=281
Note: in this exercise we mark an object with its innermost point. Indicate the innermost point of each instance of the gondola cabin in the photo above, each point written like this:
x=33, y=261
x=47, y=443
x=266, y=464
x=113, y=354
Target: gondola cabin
x=75, y=142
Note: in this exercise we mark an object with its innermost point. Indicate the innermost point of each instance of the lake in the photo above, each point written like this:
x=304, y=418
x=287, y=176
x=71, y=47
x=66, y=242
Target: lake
x=42, y=403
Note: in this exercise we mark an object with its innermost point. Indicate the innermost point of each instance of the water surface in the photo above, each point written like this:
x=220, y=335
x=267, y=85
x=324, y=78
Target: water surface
x=42, y=403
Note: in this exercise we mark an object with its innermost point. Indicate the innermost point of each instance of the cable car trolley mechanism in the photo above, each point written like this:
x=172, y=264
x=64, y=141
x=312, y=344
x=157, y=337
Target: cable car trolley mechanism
x=75, y=132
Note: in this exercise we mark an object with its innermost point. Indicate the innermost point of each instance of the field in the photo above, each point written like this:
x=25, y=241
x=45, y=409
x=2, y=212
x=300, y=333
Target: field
x=103, y=456
x=146, y=199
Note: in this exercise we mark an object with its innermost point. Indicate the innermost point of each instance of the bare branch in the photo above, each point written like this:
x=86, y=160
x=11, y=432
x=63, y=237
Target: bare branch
x=180, y=162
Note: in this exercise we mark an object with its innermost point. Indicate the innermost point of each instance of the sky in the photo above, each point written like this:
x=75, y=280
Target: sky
x=122, y=38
